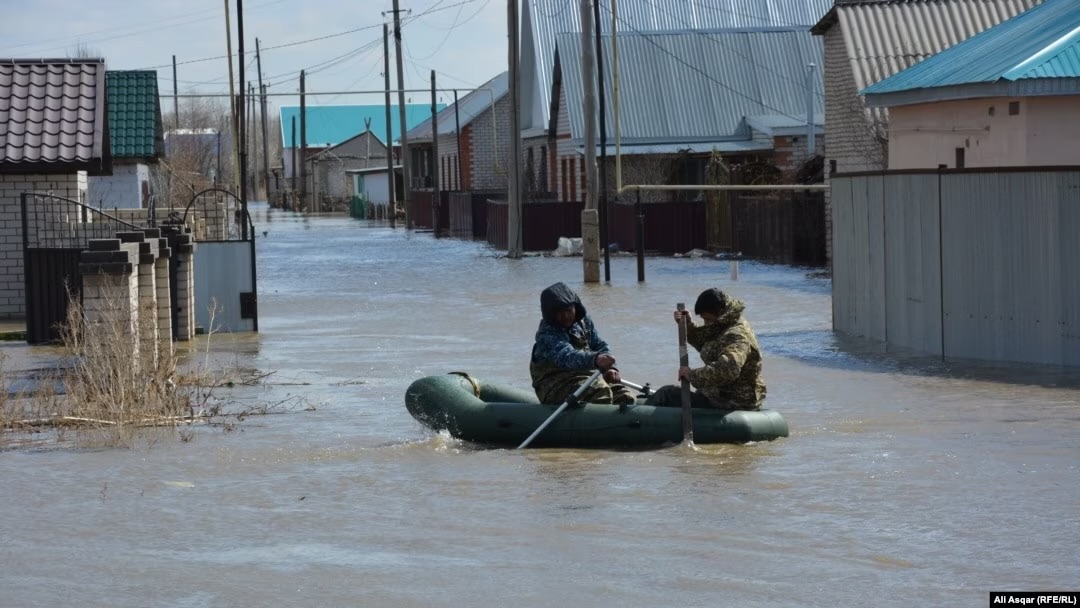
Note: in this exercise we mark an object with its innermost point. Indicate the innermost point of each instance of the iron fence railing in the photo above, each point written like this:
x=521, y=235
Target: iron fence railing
x=53, y=222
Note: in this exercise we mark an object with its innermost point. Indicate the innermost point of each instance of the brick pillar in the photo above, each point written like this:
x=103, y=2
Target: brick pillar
x=147, y=295
x=111, y=300
x=184, y=250
x=164, y=297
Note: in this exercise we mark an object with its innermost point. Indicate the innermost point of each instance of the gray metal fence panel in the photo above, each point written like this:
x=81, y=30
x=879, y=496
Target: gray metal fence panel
x=859, y=257
x=1003, y=267
x=912, y=283
x=222, y=272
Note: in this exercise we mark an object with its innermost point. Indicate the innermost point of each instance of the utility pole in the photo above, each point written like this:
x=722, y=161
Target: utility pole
x=303, y=144
x=262, y=103
x=604, y=240
x=811, y=145
x=175, y=95
x=243, y=144
x=391, y=175
x=232, y=93
x=403, y=126
x=514, y=189
x=457, y=132
x=292, y=138
x=590, y=222
x=436, y=195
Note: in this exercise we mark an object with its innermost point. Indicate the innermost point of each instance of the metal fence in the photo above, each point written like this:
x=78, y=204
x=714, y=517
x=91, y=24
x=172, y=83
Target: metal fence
x=961, y=263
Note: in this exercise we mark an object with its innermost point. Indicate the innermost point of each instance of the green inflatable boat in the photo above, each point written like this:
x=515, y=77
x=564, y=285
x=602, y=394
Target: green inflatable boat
x=501, y=415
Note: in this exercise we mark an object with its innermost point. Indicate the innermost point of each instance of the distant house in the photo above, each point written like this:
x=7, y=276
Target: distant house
x=474, y=134
x=329, y=126
x=329, y=166
x=1007, y=97
x=135, y=137
x=684, y=94
x=53, y=125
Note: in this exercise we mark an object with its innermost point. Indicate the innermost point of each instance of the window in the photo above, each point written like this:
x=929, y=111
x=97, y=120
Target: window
x=959, y=158
x=1014, y=108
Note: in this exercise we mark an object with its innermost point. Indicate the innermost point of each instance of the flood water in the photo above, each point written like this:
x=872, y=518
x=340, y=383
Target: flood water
x=906, y=480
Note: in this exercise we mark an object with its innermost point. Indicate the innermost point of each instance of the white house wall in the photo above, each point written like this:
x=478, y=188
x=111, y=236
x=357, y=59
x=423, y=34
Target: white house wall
x=1044, y=132
x=121, y=190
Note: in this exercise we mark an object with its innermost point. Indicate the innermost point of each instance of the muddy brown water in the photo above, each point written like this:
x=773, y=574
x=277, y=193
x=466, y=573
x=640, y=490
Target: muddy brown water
x=905, y=479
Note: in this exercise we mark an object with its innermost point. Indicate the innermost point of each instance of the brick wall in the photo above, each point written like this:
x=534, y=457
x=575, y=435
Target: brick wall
x=12, y=296
x=489, y=147
x=789, y=152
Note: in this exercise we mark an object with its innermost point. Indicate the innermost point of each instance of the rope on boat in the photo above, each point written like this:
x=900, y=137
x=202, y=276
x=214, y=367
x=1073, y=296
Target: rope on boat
x=472, y=381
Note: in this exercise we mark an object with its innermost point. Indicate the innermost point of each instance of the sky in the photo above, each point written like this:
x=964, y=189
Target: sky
x=337, y=42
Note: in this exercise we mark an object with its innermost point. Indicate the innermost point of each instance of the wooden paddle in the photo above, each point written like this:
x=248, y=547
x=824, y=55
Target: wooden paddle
x=571, y=399
x=684, y=361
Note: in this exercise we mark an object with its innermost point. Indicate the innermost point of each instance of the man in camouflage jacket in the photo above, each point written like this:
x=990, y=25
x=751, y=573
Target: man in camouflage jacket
x=567, y=350
x=731, y=375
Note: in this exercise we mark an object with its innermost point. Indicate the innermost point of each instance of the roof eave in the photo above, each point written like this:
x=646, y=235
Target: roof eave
x=1028, y=87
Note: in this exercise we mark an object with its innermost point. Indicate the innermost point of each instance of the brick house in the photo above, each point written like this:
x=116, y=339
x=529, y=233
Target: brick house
x=474, y=137
x=53, y=133
x=1007, y=97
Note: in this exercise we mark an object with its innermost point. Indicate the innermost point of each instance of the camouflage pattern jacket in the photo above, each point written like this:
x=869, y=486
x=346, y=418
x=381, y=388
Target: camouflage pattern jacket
x=731, y=376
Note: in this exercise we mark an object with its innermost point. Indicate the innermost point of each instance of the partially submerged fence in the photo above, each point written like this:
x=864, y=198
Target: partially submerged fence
x=961, y=263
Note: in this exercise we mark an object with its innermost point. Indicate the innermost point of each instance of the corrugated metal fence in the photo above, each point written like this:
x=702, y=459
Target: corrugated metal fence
x=961, y=263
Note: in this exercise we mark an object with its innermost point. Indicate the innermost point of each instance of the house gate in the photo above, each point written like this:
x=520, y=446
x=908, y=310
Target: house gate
x=55, y=231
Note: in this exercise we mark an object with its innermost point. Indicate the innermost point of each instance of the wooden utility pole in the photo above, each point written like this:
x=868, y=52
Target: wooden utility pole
x=435, y=194
x=391, y=176
x=590, y=221
x=262, y=103
x=514, y=189
x=403, y=125
x=303, y=145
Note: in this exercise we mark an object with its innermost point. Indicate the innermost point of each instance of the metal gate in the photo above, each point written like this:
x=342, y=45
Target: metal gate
x=55, y=231
x=224, y=263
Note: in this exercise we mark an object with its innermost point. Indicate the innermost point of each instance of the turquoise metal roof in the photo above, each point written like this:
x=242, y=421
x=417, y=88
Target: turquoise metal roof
x=1043, y=42
x=331, y=125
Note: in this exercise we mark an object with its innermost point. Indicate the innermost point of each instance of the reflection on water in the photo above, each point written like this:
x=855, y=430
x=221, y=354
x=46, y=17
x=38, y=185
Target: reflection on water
x=905, y=478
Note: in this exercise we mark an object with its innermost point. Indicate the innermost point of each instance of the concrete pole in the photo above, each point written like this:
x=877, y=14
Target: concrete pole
x=514, y=188
x=436, y=165
x=403, y=126
x=391, y=176
x=590, y=221
x=811, y=144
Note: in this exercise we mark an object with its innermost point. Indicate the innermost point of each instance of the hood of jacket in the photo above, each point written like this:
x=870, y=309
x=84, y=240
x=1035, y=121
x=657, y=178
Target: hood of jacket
x=557, y=297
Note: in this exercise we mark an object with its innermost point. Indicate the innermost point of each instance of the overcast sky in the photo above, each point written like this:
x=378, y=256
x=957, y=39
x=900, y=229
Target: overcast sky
x=338, y=42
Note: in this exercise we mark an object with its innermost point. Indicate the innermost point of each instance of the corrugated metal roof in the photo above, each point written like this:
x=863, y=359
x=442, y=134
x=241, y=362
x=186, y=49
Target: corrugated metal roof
x=1040, y=43
x=330, y=125
x=135, y=128
x=468, y=107
x=52, y=115
x=687, y=86
x=883, y=38
x=546, y=19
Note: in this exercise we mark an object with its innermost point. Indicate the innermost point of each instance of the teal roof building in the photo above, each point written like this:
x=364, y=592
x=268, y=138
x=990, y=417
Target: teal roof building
x=328, y=126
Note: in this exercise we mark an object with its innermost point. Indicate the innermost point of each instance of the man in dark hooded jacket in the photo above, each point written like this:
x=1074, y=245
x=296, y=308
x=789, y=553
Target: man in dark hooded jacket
x=568, y=349
x=731, y=375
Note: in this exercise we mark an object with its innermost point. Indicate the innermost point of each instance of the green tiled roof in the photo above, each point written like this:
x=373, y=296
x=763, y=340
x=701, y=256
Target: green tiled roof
x=134, y=114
